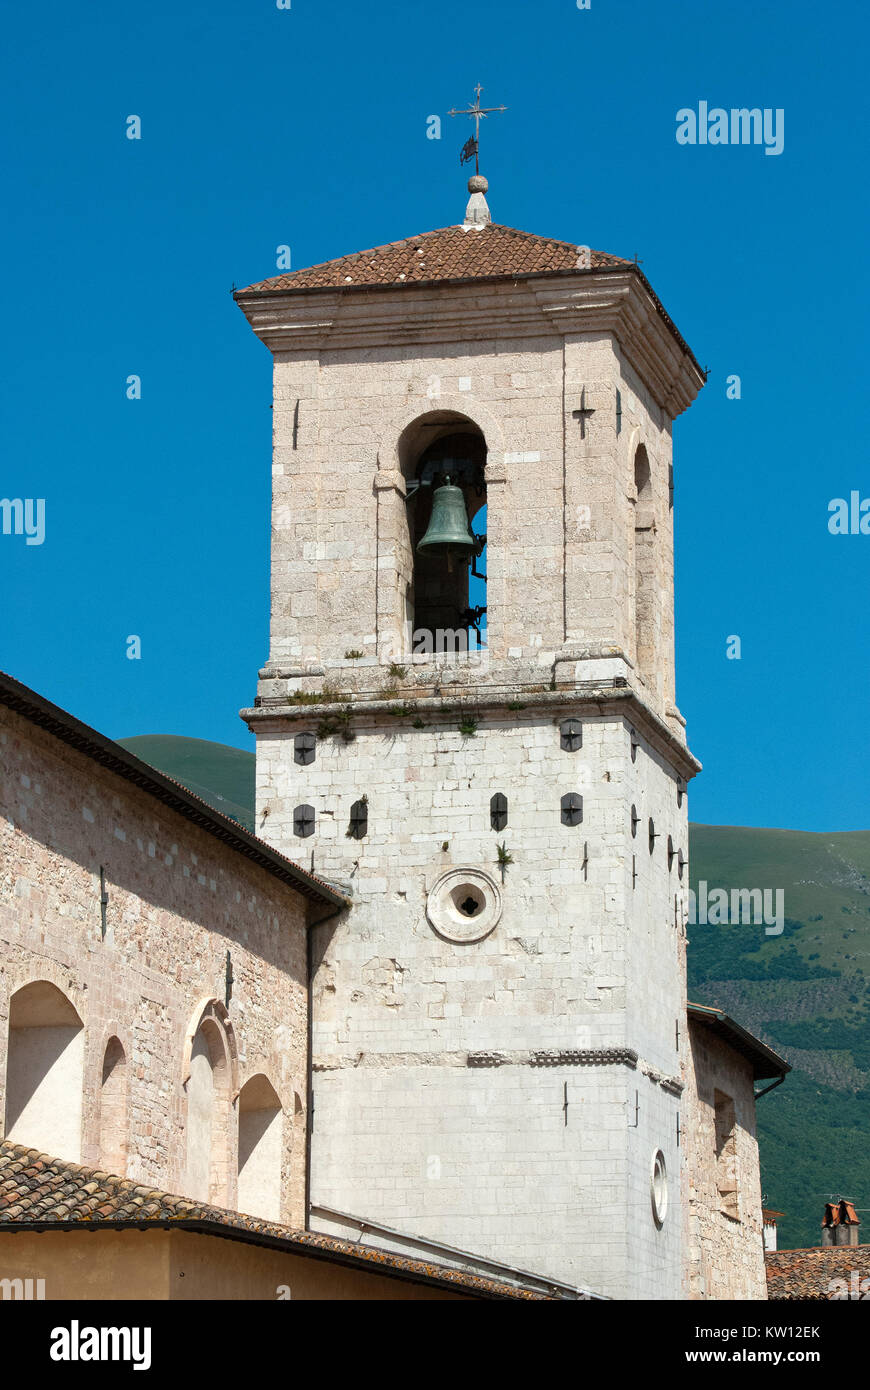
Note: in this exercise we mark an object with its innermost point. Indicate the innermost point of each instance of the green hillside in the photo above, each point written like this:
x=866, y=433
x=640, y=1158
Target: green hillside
x=804, y=992
x=222, y=776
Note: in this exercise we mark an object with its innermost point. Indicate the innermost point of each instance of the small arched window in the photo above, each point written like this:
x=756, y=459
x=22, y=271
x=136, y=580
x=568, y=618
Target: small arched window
x=260, y=1143
x=645, y=604
x=45, y=1071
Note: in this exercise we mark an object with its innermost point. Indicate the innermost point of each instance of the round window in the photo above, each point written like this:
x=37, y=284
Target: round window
x=464, y=905
x=659, y=1188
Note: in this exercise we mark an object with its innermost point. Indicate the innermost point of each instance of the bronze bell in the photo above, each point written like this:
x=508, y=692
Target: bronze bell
x=448, y=532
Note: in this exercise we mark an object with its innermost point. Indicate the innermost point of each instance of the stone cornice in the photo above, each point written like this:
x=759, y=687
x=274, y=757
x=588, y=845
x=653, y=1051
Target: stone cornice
x=598, y=697
x=584, y=1057
x=614, y=300
x=556, y=1057
x=630, y=311
x=489, y=1059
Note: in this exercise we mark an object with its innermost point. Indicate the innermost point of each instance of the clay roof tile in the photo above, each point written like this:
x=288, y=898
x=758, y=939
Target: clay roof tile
x=450, y=253
x=68, y=1195
x=819, y=1272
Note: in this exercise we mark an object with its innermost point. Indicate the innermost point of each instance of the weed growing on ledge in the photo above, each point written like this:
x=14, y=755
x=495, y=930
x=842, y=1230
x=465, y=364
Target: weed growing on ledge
x=313, y=697
x=333, y=725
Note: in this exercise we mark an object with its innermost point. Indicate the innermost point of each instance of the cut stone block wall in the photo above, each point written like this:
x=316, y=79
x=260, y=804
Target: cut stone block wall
x=496, y=1093
x=561, y=499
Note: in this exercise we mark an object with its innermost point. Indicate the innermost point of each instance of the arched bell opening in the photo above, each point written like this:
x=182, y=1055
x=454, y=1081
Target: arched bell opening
x=444, y=460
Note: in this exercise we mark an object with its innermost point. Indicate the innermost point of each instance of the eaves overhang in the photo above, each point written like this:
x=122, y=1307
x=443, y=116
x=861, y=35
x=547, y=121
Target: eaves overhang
x=765, y=1062
x=103, y=751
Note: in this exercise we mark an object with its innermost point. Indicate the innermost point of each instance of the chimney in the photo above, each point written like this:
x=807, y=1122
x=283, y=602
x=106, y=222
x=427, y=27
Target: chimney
x=769, y=1219
x=840, y=1223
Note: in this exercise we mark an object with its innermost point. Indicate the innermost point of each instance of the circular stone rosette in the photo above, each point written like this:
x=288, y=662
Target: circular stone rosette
x=464, y=905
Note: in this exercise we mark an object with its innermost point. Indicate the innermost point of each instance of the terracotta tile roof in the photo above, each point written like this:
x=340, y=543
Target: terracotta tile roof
x=451, y=253
x=812, y=1273
x=38, y=1190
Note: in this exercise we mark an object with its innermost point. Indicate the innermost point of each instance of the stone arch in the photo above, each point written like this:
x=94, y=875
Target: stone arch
x=261, y=1136
x=454, y=403
x=45, y=971
x=113, y=1106
x=634, y=440
x=45, y=1058
x=212, y=1008
x=210, y=1071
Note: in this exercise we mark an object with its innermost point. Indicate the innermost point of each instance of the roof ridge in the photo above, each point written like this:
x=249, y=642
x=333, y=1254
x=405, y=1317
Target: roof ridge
x=556, y=241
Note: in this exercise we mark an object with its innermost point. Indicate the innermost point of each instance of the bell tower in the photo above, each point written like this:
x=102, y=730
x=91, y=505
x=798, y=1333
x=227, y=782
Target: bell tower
x=467, y=719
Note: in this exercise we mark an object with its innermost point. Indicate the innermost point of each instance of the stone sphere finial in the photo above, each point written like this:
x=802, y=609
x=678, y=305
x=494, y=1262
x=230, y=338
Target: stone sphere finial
x=478, y=184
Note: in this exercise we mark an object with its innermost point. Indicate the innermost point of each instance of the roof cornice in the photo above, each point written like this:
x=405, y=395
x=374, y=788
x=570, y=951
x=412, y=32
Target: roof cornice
x=616, y=300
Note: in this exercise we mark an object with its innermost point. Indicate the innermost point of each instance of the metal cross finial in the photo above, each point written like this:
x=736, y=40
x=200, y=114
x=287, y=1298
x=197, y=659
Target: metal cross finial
x=477, y=113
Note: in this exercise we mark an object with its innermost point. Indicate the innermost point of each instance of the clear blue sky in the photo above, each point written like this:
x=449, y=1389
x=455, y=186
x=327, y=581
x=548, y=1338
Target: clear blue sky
x=308, y=127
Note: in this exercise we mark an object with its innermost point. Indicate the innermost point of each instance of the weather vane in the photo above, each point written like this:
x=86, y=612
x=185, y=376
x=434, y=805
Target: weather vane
x=478, y=113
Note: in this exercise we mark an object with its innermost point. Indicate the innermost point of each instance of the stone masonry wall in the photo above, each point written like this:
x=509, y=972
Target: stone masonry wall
x=561, y=505
x=725, y=1254
x=178, y=900
x=443, y=1067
